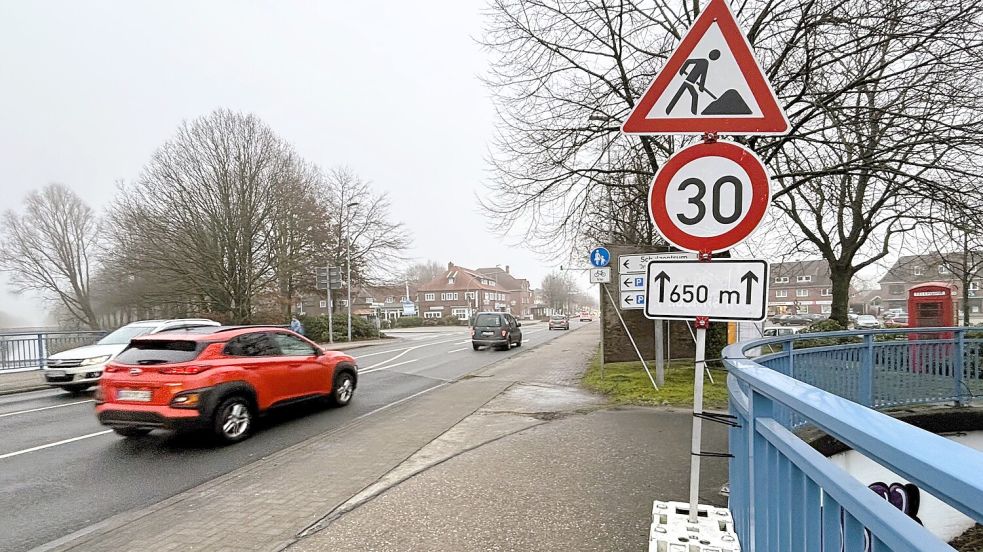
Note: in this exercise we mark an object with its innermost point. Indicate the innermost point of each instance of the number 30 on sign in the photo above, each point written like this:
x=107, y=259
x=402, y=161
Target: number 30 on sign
x=709, y=197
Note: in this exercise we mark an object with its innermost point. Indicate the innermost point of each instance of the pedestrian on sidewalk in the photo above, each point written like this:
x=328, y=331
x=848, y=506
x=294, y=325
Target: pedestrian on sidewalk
x=296, y=326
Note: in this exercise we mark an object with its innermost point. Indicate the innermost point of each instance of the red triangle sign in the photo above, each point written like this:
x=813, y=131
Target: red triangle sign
x=711, y=83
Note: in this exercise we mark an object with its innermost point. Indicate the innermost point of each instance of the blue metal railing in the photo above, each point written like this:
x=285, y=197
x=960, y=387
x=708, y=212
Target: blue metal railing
x=30, y=350
x=786, y=496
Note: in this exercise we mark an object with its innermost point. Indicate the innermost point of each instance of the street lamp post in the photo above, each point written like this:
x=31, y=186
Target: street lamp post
x=348, y=243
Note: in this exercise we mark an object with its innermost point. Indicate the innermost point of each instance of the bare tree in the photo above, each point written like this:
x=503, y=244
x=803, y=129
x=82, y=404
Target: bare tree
x=202, y=210
x=956, y=238
x=881, y=96
x=361, y=218
x=50, y=248
x=559, y=290
x=423, y=272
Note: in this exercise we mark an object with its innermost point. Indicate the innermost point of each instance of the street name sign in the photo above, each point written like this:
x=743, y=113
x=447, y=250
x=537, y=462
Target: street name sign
x=636, y=264
x=722, y=290
x=600, y=275
x=711, y=83
x=709, y=197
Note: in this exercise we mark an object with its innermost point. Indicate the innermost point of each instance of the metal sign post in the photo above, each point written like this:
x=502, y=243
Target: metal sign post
x=696, y=445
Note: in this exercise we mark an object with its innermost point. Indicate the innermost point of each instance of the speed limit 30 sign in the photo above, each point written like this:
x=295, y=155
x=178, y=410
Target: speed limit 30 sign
x=709, y=196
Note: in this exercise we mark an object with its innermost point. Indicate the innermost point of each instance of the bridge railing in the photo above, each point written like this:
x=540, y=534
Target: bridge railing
x=30, y=350
x=785, y=495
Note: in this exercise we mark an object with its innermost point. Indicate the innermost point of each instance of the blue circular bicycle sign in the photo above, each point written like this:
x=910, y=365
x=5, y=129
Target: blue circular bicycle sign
x=600, y=257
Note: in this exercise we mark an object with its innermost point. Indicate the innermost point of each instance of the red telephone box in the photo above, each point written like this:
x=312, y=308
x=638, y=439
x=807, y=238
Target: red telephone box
x=931, y=305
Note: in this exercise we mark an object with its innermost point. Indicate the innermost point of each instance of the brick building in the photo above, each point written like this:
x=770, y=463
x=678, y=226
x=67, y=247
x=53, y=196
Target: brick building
x=385, y=301
x=800, y=287
x=460, y=292
x=910, y=270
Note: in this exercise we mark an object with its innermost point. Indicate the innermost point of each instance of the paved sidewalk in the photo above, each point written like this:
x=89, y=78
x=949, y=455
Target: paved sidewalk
x=20, y=382
x=556, y=470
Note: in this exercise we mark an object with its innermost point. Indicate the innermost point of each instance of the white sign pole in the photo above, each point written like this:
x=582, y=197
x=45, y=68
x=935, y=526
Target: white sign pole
x=697, y=443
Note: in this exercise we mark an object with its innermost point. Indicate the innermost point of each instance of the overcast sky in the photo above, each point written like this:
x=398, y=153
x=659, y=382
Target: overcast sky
x=390, y=89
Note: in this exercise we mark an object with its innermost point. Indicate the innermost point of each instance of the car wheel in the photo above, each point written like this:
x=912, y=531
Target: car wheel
x=344, y=389
x=131, y=431
x=77, y=389
x=518, y=343
x=475, y=346
x=233, y=420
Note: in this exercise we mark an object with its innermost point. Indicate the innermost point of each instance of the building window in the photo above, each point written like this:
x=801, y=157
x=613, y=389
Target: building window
x=390, y=299
x=323, y=304
x=943, y=269
x=803, y=279
x=429, y=297
x=827, y=292
x=826, y=309
x=450, y=281
x=974, y=309
x=781, y=280
x=369, y=300
x=781, y=293
x=918, y=270
x=896, y=290
x=974, y=286
x=449, y=296
x=804, y=309
x=433, y=314
x=461, y=314
x=344, y=302
x=802, y=293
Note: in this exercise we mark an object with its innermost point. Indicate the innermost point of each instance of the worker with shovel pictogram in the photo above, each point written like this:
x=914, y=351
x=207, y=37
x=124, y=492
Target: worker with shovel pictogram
x=695, y=71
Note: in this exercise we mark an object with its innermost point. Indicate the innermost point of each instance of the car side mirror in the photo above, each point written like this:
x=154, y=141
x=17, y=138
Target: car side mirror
x=518, y=324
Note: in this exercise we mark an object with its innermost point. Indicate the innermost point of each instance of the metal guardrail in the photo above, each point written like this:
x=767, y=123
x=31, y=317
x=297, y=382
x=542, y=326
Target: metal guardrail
x=30, y=350
x=785, y=495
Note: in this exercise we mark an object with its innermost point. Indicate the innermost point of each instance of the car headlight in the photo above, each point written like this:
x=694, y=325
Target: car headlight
x=94, y=360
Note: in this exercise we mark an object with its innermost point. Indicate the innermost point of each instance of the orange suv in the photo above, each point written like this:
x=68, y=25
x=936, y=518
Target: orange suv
x=218, y=379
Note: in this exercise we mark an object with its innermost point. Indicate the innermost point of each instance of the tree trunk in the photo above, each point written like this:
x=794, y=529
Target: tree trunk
x=841, y=277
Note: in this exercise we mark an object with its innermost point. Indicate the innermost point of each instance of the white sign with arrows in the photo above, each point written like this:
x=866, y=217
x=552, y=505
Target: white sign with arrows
x=722, y=290
x=635, y=264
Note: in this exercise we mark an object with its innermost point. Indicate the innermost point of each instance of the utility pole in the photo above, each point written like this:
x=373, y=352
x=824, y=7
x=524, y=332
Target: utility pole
x=348, y=242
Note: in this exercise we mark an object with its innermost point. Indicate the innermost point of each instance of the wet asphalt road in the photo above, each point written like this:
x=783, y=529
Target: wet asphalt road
x=61, y=471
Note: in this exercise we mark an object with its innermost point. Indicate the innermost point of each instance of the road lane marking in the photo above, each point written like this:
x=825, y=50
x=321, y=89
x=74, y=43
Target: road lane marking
x=55, y=444
x=458, y=350
x=463, y=342
x=387, y=367
x=401, y=349
x=4, y=415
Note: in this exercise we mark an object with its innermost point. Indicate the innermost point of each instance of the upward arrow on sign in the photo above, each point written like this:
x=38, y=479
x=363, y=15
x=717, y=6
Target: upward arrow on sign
x=750, y=277
x=662, y=278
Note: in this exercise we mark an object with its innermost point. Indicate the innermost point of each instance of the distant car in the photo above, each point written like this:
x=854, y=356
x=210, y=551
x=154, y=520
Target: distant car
x=586, y=317
x=559, y=322
x=795, y=320
x=866, y=322
x=898, y=321
x=217, y=379
x=779, y=331
x=497, y=330
x=78, y=369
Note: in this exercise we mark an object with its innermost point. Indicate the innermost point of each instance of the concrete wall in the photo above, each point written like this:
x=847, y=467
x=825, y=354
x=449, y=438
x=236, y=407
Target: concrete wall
x=617, y=347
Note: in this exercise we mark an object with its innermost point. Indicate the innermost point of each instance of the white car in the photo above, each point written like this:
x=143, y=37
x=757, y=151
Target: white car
x=78, y=369
x=866, y=322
